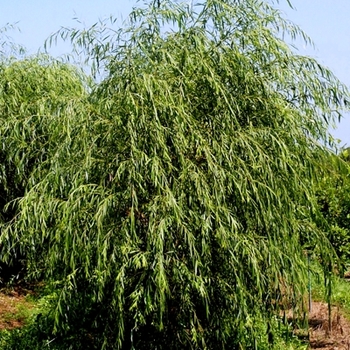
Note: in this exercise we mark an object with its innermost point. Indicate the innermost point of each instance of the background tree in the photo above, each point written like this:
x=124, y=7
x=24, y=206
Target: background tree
x=175, y=200
x=333, y=196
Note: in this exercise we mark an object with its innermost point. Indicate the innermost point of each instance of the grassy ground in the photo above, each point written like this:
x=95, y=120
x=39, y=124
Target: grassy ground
x=17, y=306
x=340, y=291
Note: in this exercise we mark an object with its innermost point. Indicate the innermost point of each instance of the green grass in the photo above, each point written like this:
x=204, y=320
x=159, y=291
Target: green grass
x=340, y=291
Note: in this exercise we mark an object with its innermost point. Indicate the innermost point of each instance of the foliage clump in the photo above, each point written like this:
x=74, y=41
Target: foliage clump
x=171, y=201
x=333, y=197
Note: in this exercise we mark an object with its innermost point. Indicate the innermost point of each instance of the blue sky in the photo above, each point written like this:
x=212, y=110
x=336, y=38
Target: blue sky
x=325, y=21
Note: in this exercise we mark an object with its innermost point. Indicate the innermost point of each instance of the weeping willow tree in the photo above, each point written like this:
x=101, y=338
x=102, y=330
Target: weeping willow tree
x=175, y=198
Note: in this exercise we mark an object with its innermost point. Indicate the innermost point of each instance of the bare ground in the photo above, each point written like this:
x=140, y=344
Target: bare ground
x=335, y=337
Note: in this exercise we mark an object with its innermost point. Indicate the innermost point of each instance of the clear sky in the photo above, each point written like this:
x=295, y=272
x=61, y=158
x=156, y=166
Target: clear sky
x=325, y=21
